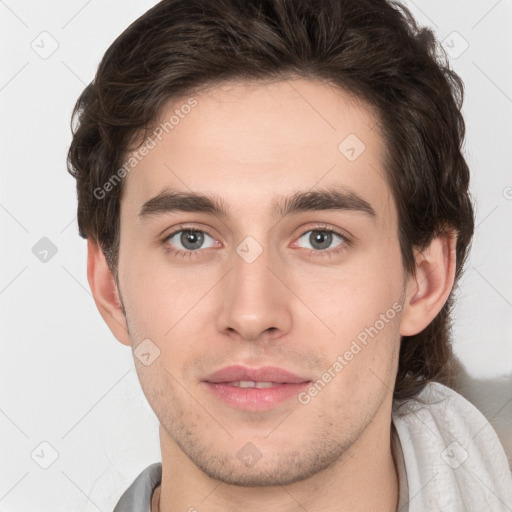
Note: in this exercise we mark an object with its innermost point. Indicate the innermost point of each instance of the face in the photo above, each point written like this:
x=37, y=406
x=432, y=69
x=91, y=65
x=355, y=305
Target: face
x=276, y=316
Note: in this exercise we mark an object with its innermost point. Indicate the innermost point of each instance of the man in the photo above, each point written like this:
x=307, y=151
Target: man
x=277, y=211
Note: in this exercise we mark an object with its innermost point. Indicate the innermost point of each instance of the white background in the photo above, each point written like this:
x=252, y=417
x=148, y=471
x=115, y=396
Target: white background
x=65, y=380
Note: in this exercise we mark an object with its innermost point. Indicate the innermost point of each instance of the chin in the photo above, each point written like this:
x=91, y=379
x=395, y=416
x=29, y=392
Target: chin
x=248, y=467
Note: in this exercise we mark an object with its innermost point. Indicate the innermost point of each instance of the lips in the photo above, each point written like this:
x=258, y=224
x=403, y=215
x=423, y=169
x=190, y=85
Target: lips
x=264, y=374
x=254, y=389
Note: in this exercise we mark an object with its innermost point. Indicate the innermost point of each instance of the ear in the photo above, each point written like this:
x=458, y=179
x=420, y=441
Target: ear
x=430, y=287
x=105, y=292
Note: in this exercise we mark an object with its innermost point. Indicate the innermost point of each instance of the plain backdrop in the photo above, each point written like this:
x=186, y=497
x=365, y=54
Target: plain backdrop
x=75, y=427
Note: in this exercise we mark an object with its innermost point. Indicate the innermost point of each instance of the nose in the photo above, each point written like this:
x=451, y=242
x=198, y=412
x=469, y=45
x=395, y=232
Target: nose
x=256, y=302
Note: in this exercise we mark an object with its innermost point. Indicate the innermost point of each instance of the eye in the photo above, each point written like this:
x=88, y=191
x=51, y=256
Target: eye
x=187, y=241
x=321, y=241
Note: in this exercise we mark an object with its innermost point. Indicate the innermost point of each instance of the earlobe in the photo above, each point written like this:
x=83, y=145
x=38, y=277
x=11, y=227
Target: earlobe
x=430, y=287
x=105, y=292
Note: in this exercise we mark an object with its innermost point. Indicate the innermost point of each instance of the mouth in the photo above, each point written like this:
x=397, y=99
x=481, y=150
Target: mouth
x=255, y=389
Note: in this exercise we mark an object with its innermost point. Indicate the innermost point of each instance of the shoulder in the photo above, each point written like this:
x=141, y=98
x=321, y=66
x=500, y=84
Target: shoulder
x=137, y=498
x=447, y=413
x=452, y=451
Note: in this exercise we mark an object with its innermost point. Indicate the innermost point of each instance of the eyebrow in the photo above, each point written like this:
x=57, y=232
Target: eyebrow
x=171, y=200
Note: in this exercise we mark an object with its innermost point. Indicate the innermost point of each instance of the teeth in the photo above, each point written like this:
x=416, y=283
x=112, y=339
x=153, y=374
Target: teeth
x=244, y=384
x=252, y=384
x=266, y=384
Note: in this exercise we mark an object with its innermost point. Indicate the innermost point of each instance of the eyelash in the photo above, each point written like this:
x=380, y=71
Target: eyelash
x=328, y=253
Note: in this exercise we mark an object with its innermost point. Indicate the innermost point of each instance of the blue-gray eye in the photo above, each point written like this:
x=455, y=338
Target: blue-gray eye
x=190, y=239
x=321, y=239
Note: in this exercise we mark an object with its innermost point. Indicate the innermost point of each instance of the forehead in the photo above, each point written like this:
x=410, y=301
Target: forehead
x=250, y=143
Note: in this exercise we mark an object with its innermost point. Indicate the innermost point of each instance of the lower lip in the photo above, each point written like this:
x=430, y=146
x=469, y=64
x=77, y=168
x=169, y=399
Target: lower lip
x=255, y=399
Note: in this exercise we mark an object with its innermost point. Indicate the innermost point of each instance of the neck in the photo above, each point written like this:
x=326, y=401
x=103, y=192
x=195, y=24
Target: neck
x=364, y=478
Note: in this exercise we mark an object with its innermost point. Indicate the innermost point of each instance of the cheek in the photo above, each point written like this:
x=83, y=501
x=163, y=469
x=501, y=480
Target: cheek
x=362, y=308
x=354, y=296
x=155, y=295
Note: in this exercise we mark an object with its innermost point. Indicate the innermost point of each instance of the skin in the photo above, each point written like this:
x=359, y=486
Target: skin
x=290, y=308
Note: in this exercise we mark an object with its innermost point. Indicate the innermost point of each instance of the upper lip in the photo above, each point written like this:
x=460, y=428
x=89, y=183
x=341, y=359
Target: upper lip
x=238, y=373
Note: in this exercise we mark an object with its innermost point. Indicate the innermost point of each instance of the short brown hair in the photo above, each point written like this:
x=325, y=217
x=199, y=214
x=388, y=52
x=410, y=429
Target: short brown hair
x=372, y=49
